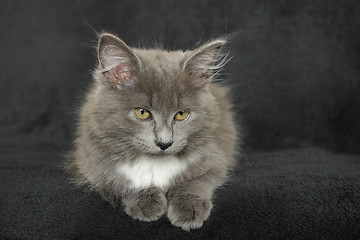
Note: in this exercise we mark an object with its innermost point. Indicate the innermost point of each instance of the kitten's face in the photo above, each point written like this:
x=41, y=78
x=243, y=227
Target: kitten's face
x=158, y=102
x=167, y=120
x=162, y=131
x=159, y=119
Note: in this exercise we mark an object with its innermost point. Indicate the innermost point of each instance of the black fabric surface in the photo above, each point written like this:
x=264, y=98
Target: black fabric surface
x=295, y=80
x=293, y=194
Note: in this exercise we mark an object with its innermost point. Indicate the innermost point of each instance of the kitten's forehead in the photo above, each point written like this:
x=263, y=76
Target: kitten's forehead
x=166, y=97
x=158, y=57
x=163, y=80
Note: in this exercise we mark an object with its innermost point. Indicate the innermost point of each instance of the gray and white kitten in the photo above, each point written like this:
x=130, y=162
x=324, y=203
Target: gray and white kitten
x=155, y=131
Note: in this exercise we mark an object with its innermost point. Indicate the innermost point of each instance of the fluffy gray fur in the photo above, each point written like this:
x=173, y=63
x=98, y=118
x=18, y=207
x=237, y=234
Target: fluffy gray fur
x=110, y=135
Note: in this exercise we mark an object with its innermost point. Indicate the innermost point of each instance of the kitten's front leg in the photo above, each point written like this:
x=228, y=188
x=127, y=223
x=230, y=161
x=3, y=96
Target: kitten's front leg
x=145, y=205
x=189, y=204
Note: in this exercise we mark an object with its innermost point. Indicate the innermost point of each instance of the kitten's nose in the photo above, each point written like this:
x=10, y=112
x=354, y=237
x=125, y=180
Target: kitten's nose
x=163, y=146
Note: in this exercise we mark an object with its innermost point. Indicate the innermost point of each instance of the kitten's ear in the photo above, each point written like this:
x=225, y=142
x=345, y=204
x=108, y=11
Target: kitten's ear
x=205, y=62
x=117, y=61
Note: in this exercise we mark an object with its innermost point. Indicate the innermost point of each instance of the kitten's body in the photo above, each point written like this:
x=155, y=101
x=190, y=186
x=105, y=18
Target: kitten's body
x=118, y=155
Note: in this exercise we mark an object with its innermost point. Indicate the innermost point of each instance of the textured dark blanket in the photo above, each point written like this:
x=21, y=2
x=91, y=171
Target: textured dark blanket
x=290, y=194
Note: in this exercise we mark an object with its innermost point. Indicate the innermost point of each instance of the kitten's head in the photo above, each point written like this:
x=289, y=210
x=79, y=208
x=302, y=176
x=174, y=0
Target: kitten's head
x=155, y=101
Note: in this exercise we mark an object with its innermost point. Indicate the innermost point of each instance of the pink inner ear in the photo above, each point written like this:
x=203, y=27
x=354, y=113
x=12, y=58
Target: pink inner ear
x=121, y=74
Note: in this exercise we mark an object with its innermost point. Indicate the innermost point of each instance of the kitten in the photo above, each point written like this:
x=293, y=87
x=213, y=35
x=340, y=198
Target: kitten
x=155, y=131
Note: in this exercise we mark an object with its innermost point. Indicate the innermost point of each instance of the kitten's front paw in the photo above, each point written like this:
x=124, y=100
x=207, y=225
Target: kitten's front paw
x=148, y=205
x=189, y=213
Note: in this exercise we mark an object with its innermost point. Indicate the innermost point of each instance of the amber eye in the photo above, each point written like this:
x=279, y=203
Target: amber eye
x=182, y=115
x=142, y=114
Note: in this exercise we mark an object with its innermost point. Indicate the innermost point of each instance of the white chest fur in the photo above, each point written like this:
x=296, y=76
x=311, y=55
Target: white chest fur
x=149, y=171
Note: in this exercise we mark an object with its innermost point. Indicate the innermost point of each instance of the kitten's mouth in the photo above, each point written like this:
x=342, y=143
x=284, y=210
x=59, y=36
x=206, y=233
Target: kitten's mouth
x=159, y=154
x=165, y=153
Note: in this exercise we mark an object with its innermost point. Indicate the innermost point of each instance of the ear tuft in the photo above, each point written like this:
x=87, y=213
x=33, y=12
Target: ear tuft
x=206, y=61
x=117, y=61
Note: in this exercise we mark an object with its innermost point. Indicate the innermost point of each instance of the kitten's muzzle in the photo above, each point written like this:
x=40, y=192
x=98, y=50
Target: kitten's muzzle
x=163, y=146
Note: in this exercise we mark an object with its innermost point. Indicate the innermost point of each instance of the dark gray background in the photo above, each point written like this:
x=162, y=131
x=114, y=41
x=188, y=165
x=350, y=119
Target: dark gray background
x=295, y=72
x=295, y=78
